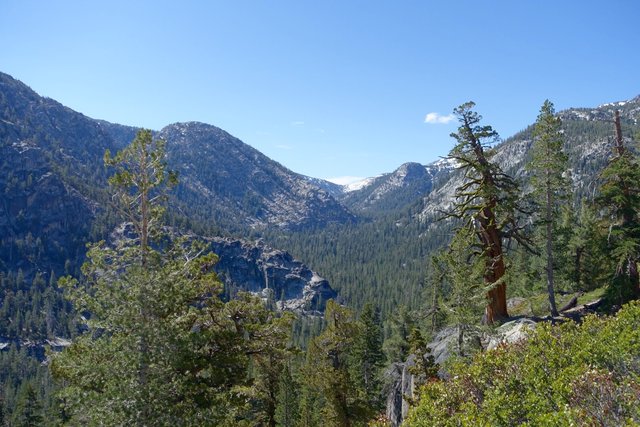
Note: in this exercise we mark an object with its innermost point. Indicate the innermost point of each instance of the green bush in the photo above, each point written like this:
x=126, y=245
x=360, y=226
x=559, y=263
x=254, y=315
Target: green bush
x=571, y=374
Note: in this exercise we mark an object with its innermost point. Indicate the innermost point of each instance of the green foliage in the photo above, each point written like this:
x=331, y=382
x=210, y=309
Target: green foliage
x=267, y=337
x=139, y=182
x=587, y=262
x=32, y=311
x=368, y=358
x=396, y=344
x=549, y=186
x=571, y=374
x=381, y=261
x=161, y=347
x=620, y=198
x=549, y=161
x=288, y=399
x=461, y=274
x=425, y=365
x=28, y=410
x=331, y=396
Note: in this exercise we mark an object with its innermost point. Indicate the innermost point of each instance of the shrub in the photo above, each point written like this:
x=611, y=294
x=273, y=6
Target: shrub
x=570, y=374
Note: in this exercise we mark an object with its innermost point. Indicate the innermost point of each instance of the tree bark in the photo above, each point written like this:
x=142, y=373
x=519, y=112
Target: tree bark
x=619, y=140
x=496, y=309
x=549, y=236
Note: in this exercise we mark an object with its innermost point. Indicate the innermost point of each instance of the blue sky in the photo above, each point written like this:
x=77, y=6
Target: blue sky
x=327, y=88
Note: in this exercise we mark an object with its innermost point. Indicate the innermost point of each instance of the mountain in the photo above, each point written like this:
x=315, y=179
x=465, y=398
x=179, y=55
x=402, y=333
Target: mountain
x=588, y=134
x=396, y=190
x=54, y=196
x=51, y=179
x=227, y=181
x=336, y=190
x=373, y=240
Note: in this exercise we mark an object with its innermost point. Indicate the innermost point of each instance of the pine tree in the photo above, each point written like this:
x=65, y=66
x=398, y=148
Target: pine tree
x=547, y=166
x=487, y=203
x=28, y=410
x=161, y=347
x=288, y=399
x=461, y=268
x=268, y=335
x=425, y=364
x=368, y=358
x=620, y=198
x=328, y=372
x=585, y=260
x=396, y=346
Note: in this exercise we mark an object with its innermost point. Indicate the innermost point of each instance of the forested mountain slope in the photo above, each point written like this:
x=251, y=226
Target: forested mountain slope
x=54, y=201
x=372, y=244
x=386, y=259
x=53, y=182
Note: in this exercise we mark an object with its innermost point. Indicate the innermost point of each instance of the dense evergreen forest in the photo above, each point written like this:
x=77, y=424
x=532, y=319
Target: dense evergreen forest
x=154, y=342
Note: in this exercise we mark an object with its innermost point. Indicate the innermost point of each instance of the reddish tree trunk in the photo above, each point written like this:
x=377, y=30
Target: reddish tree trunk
x=496, y=309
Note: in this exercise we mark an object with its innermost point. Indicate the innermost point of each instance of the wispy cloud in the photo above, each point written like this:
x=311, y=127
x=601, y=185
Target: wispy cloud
x=437, y=118
x=297, y=123
x=284, y=147
x=344, y=180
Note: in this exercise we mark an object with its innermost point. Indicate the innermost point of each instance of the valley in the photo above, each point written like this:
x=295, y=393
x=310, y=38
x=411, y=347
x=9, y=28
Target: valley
x=296, y=242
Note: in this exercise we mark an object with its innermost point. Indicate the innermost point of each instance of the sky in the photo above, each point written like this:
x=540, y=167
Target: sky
x=338, y=90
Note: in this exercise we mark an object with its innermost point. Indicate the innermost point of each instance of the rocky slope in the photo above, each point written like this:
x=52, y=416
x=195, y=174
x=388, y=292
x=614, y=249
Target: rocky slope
x=53, y=181
x=270, y=273
x=255, y=267
x=588, y=142
x=53, y=196
x=395, y=190
x=50, y=184
x=237, y=184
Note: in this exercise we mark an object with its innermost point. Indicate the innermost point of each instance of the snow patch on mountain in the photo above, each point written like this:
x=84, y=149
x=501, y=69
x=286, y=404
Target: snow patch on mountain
x=359, y=185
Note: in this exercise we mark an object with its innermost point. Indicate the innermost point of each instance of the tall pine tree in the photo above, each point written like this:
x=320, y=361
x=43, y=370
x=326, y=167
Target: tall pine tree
x=620, y=198
x=547, y=167
x=160, y=347
x=368, y=358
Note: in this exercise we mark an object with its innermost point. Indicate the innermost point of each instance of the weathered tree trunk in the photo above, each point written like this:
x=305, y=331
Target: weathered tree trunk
x=619, y=141
x=496, y=309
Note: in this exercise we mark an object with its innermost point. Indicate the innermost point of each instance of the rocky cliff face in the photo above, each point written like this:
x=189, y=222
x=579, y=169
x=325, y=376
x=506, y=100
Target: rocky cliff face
x=254, y=267
x=270, y=273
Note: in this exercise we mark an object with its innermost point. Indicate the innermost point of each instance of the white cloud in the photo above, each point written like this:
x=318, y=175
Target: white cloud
x=284, y=147
x=297, y=123
x=344, y=180
x=437, y=118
